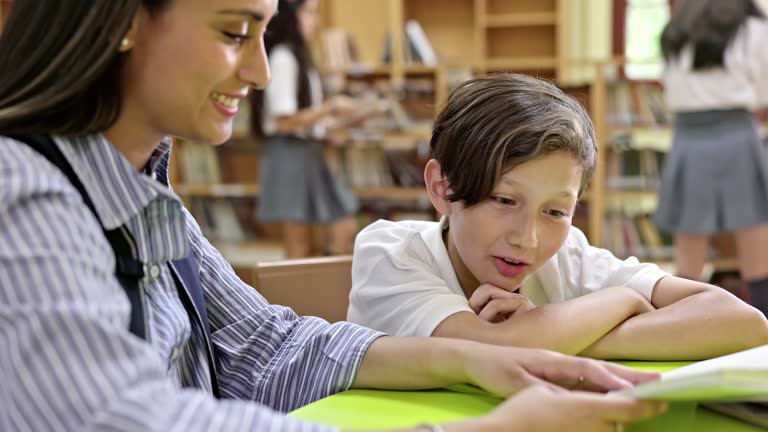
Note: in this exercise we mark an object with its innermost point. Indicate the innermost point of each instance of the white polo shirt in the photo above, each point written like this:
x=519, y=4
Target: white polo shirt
x=403, y=282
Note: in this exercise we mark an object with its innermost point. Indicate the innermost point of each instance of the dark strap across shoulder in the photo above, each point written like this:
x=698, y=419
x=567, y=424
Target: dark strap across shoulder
x=128, y=269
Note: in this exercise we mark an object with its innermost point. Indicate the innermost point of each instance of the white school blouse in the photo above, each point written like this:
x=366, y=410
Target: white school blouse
x=281, y=97
x=742, y=83
x=403, y=282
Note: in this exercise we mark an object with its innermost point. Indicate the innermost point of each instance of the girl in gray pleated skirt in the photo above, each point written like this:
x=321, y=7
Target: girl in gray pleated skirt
x=715, y=179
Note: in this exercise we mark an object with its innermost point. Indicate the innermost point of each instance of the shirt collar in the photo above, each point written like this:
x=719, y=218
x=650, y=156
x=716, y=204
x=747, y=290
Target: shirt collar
x=433, y=237
x=117, y=189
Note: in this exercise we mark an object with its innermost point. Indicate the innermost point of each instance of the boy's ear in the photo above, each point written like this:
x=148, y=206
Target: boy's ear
x=437, y=187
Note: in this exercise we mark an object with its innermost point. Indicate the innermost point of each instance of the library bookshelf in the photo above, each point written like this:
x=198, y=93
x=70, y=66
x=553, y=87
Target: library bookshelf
x=471, y=37
x=634, y=129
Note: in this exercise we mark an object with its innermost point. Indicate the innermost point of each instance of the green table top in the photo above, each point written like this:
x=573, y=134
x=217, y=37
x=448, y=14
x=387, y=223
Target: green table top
x=379, y=409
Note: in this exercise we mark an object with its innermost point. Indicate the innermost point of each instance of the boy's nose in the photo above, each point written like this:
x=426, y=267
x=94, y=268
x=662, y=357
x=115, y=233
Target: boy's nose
x=525, y=235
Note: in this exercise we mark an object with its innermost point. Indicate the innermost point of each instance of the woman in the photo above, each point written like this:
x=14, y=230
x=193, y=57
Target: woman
x=716, y=177
x=117, y=314
x=298, y=189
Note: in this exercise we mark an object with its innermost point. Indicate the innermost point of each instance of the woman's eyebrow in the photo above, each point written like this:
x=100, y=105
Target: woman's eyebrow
x=252, y=14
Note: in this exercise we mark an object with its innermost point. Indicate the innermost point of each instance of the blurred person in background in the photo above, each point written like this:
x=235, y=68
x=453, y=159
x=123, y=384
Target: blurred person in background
x=298, y=190
x=117, y=314
x=715, y=178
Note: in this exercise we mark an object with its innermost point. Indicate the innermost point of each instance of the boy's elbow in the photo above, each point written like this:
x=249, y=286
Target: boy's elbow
x=754, y=325
x=759, y=323
x=743, y=320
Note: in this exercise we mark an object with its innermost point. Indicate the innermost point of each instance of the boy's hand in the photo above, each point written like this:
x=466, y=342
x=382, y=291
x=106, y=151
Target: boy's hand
x=495, y=305
x=505, y=370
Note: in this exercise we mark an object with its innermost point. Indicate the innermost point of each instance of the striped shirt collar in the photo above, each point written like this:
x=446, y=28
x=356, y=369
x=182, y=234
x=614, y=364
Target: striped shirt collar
x=118, y=191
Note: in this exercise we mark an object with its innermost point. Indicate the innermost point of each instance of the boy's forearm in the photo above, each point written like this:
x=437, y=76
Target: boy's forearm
x=572, y=326
x=704, y=325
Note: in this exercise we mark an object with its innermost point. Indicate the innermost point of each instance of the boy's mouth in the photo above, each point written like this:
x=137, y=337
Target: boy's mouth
x=513, y=260
x=510, y=267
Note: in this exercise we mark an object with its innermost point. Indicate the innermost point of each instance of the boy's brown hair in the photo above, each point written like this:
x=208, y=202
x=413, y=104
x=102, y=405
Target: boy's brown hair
x=492, y=124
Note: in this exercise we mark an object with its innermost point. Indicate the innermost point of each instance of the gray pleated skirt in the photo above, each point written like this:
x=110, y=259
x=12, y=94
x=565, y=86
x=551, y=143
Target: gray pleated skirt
x=297, y=185
x=715, y=177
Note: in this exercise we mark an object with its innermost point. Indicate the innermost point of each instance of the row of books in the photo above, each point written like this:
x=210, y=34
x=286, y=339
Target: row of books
x=232, y=221
x=222, y=219
x=373, y=166
x=637, y=103
x=418, y=48
x=340, y=51
x=637, y=236
x=634, y=169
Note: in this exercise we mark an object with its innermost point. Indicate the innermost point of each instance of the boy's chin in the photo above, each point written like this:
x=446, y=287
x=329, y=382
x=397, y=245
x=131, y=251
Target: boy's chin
x=509, y=287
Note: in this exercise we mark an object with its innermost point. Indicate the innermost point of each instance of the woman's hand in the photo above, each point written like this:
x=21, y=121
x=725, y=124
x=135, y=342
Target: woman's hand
x=545, y=409
x=506, y=370
x=494, y=304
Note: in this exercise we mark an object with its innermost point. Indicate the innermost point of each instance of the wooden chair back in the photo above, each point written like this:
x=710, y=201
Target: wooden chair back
x=312, y=286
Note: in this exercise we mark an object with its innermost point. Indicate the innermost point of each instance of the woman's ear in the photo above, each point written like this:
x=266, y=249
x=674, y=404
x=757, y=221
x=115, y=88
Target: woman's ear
x=129, y=38
x=437, y=187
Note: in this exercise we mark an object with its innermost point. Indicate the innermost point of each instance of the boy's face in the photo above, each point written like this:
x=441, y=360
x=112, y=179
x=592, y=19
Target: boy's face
x=506, y=238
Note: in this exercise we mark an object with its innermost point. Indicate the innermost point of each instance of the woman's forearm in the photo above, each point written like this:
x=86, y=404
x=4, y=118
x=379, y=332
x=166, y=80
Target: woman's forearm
x=410, y=363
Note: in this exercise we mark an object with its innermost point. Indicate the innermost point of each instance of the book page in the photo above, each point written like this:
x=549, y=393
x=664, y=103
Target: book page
x=752, y=359
x=741, y=376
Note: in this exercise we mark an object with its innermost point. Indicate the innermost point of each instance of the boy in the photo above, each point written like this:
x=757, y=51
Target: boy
x=512, y=154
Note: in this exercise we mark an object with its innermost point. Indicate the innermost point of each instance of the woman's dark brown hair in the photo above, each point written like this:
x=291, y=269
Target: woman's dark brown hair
x=60, y=70
x=284, y=29
x=491, y=125
x=709, y=26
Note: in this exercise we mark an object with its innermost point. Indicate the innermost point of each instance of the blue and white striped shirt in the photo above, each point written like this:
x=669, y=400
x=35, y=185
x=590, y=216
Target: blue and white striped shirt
x=68, y=361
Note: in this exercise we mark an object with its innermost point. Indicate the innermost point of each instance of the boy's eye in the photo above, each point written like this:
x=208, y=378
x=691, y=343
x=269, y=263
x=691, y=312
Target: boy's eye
x=504, y=201
x=556, y=213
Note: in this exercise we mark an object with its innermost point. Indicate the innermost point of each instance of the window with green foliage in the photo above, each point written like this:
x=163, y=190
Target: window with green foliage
x=645, y=20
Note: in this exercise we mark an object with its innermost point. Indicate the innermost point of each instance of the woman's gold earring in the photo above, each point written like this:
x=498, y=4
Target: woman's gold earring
x=125, y=44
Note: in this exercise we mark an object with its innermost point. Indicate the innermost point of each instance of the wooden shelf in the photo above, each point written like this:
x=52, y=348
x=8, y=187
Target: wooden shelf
x=382, y=70
x=248, y=253
x=392, y=193
x=419, y=69
x=520, y=6
x=719, y=264
x=221, y=190
x=521, y=19
x=521, y=63
x=640, y=129
x=631, y=194
x=242, y=190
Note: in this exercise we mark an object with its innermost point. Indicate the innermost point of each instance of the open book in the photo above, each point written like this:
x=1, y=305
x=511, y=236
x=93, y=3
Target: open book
x=741, y=376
